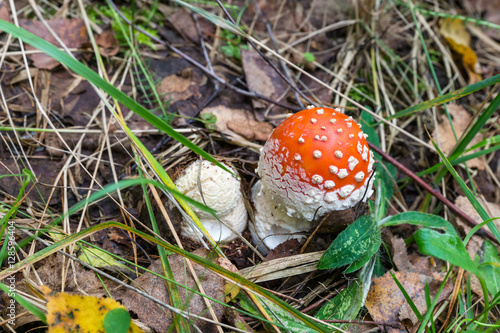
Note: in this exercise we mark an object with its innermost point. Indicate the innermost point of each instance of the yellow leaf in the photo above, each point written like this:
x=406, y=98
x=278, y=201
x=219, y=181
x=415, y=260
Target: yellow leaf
x=453, y=30
x=77, y=313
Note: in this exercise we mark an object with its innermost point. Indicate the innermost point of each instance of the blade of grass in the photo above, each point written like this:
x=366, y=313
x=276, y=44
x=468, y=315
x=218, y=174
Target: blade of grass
x=468, y=193
x=454, y=95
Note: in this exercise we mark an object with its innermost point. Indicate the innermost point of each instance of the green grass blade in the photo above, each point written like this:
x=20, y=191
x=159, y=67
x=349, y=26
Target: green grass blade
x=454, y=95
x=468, y=193
x=481, y=121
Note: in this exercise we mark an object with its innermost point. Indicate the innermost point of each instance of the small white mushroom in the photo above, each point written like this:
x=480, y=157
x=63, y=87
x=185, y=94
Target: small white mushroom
x=220, y=191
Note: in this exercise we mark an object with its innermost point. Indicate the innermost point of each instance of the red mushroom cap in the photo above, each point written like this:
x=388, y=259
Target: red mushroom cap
x=318, y=157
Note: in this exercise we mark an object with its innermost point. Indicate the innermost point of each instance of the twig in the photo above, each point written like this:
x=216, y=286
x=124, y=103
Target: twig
x=435, y=193
x=205, y=53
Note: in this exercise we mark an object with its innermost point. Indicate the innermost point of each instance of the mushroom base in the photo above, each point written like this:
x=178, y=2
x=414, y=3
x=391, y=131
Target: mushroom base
x=272, y=225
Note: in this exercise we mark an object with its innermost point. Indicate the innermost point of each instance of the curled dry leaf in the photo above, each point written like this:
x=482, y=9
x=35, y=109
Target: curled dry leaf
x=443, y=134
x=239, y=124
x=458, y=38
x=107, y=42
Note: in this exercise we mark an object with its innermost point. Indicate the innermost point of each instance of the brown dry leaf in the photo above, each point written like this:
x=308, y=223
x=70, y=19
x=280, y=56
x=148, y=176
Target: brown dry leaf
x=77, y=313
x=159, y=318
x=182, y=85
x=447, y=142
x=4, y=12
x=239, y=123
x=458, y=37
x=77, y=280
x=385, y=302
x=262, y=78
x=108, y=43
x=72, y=32
x=183, y=22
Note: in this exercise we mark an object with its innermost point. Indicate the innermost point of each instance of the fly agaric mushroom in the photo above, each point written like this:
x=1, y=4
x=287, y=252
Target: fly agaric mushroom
x=220, y=191
x=315, y=161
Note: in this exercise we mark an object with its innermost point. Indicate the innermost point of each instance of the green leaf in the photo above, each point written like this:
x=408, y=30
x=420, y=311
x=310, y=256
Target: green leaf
x=446, y=247
x=309, y=57
x=117, y=321
x=352, y=243
x=490, y=266
x=468, y=193
x=421, y=219
x=276, y=313
x=365, y=257
x=338, y=307
x=348, y=303
x=101, y=259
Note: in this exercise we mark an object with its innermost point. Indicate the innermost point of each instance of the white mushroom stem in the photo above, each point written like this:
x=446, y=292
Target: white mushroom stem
x=272, y=225
x=220, y=191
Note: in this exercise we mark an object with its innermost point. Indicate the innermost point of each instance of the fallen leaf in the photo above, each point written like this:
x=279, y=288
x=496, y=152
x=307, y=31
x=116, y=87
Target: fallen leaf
x=4, y=12
x=108, y=43
x=238, y=123
x=443, y=134
x=230, y=289
x=386, y=302
x=77, y=313
x=458, y=38
x=72, y=32
x=182, y=85
x=400, y=255
x=262, y=78
x=159, y=318
x=183, y=22
x=100, y=259
x=76, y=280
